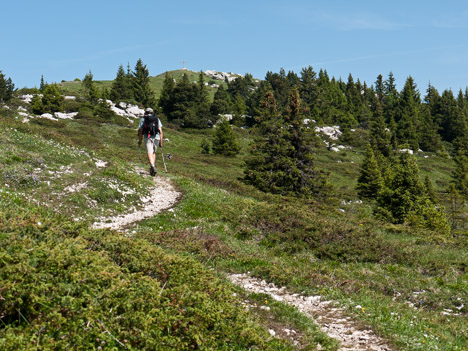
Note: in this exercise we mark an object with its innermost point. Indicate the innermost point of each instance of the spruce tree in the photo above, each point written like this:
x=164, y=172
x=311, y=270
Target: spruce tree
x=408, y=115
x=281, y=159
x=405, y=189
x=370, y=182
x=225, y=142
x=391, y=97
x=142, y=92
x=42, y=85
x=430, y=192
x=6, y=88
x=121, y=89
x=91, y=92
x=202, y=104
x=460, y=174
x=166, y=99
x=380, y=134
x=405, y=199
x=221, y=104
x=52, y=100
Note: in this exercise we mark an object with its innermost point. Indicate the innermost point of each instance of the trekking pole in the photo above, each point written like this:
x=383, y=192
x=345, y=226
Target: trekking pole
x=139, y=154
x=164, y=161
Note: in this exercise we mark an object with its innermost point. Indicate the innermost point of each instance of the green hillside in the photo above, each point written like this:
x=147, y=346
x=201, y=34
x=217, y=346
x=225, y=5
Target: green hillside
x=65, y=284
x=75, y=88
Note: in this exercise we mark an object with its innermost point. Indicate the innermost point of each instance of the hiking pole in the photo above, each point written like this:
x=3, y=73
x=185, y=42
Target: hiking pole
x=139, y=154
x=164, y=161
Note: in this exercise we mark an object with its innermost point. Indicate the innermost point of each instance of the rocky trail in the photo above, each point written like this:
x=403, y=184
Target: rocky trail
x=331, y=319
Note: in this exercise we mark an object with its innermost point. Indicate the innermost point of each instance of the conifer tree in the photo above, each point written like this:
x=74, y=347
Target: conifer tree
x=380, y=88
x=429, y=138
x=166, y=99
x=121, y=89
x=430, y=192
x=202, y=105
x=239, y=108
x=52, y=100
x=448, y=114
x=91, y=92
x=6, y=88
x=408, y=115
x=390, y=100
x=370, y=181
x=460, y=174
x=42, y=85
x=380, y=134
x=142, y=92
x=281, y=159
x=405, y=198
x=221, y=103
x=225, y=142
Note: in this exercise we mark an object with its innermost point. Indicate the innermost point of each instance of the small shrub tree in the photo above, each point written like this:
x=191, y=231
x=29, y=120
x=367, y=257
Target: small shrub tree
x=370, y=181
x=225, y=142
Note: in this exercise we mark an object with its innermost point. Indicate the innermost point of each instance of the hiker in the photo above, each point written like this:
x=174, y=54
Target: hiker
x=151, y=128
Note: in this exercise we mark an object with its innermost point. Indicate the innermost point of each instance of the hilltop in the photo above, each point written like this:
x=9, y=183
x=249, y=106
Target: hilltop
x=212, y=78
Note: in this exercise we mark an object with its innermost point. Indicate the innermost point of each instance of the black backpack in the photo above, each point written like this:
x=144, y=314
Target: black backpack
x=151, y=125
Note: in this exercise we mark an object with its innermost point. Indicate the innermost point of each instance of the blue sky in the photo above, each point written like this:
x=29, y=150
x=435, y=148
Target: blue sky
x=63, y=40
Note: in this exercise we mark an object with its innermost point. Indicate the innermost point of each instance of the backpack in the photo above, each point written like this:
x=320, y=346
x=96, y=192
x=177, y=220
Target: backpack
x=151, y=126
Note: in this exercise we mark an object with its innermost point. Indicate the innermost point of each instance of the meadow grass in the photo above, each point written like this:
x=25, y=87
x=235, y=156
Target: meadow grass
x=410, y=288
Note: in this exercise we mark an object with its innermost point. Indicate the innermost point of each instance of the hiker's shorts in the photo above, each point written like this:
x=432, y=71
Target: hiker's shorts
x=152, y=145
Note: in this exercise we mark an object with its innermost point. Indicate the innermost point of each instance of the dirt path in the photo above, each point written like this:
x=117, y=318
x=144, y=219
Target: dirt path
x=331, y=320
x=162, y=197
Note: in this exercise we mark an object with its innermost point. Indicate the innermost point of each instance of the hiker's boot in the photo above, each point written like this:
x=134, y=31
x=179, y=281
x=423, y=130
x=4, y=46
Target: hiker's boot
x=152, y=171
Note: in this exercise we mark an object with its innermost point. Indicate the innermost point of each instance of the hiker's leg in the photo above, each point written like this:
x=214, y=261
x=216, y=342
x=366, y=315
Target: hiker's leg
x=152, y=158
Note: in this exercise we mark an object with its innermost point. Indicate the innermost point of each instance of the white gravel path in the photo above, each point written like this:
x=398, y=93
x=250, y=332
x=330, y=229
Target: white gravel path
x=161, y=197
x=331, y=320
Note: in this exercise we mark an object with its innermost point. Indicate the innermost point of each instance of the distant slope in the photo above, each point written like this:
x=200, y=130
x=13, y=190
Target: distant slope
x=156, y=83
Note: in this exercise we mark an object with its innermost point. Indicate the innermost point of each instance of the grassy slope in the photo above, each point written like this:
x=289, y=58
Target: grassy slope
x=156, y=83
x=225, y=225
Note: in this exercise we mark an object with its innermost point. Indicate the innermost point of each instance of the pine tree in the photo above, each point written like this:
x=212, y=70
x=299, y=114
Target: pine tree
x=225, y=142
x=430, y=192
x=380, y=134
x=142, y=91
x=42, y=85
x=400, y=197
x=460, y=174
x=91, y=92
x=390, y=100
x=202, y=104
x=6, y=88
x=405, y=199
x=166, y=99
x=52, y=100
x=408, y=115
x=281, y=159
x=121, y=89
x=239, y=108
x=370, y=181
x=380, y=88
x=221, y=104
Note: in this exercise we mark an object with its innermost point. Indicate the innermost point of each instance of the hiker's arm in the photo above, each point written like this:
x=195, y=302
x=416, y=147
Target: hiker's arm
x=140, y=135
x=160, y=137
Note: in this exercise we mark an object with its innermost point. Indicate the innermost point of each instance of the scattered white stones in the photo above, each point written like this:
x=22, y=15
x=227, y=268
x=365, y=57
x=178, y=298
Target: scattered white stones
x=331, y=319
x=75, y=187
x=332, y=132
x=126, y=110
x=100, y=163
x=409, y=151
x=222, y=75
